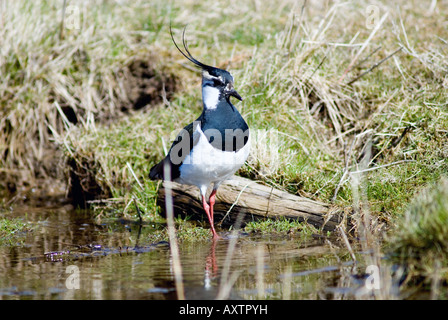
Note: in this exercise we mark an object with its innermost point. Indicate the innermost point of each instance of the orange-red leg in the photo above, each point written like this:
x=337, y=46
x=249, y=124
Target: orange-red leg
x=212, y=200
x=209, y=211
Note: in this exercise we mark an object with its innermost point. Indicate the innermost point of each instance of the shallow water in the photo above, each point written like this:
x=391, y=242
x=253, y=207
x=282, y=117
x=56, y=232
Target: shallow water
x=102, y=263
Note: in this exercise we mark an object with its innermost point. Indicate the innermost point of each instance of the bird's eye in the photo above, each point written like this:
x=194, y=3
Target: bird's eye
x=217, y=82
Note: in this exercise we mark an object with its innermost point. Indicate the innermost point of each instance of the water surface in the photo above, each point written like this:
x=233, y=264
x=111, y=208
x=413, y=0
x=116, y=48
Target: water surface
x=70, y=256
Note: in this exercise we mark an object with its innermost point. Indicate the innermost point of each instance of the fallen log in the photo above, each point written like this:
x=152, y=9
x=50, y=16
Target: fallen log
x=241, y=198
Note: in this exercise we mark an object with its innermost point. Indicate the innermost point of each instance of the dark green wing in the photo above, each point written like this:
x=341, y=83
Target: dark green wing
x=180, y=148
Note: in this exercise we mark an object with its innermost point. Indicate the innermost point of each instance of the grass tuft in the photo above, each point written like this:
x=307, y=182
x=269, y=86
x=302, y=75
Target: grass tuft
x=281, y=226
x=419, y=240
x=186, y=231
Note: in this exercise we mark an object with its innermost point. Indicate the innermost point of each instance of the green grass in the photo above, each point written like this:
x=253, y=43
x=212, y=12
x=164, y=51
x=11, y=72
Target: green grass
x=192, y=231
x=186, y=231
x=13, y=231
x=282, y=227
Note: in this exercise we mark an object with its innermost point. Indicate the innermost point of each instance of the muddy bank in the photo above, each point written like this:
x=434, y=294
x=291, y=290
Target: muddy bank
x=37, y=170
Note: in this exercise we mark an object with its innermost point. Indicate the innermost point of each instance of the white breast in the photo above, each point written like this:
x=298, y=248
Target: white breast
x=206, y=164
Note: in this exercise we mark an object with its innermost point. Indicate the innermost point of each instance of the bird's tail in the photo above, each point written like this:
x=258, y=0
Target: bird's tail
x=157, y=171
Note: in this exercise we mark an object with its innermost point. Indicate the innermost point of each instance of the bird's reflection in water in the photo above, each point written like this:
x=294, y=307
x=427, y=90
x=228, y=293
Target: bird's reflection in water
x=211, y=265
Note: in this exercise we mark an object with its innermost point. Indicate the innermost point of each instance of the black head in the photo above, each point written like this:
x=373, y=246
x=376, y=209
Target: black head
x=222, y=80
x=211, y=76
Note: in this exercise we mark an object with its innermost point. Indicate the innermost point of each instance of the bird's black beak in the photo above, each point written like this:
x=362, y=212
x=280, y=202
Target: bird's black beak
x=235, y=94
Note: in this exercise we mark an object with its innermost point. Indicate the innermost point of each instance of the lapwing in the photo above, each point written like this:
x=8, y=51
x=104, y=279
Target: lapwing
x=212, y=148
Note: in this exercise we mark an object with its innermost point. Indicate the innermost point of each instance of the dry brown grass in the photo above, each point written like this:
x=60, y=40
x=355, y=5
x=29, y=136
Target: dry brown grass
x=51, y=82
